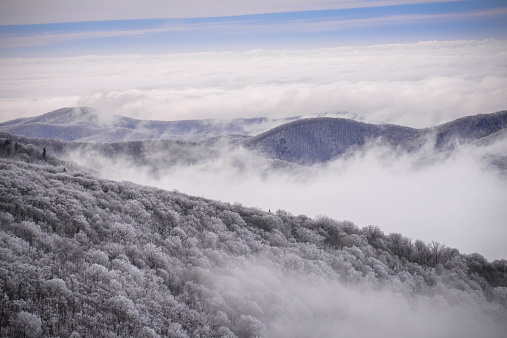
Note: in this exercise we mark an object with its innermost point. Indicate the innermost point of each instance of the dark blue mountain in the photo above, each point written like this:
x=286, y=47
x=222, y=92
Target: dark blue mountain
x=296, y=140
x=319, y=140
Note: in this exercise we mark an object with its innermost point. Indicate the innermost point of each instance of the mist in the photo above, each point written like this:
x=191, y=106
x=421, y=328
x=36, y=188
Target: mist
x=417, y=84
x=457, y=199
x=296, y=300
x=232, y=271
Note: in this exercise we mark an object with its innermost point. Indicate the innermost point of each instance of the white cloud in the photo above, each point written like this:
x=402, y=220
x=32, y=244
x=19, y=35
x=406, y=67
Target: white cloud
x=417, y=84
x=305, y=304
x=453, y=200
x=52, y=38
x=330, y=25
x=15, y=12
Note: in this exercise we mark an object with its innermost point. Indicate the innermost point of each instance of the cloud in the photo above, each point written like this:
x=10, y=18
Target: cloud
x=235, y=25
x=418, y=84
x=54, y=38
x=333, y=25
x=455, y=200
x=17, y=12
x=311, y=305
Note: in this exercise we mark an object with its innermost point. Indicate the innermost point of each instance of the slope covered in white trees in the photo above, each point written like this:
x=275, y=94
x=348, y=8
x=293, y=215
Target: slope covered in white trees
x=86, y=257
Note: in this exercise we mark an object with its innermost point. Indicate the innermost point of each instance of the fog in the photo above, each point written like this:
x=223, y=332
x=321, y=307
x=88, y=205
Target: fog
x=294, y=302
x=418, y=84
x=212, y=269
x=457, y=199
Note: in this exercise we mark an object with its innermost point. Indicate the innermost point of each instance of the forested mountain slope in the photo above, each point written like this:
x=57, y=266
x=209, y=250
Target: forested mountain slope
x=469, y=128
x=152, y=155
x=322, y=139
x=319, y=140
x=85, y=257
x=303, y=142
x=156, y=153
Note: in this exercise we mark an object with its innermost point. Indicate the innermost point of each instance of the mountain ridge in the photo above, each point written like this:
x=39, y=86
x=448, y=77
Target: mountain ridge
x=303, y=141
x=324, y=138
x=319, y=140
x=87, y=124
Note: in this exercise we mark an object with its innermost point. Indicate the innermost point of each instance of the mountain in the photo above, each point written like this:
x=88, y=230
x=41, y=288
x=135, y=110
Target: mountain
x=86, y=257
x=468, y=129
x=85, y=124
x=322, y=139
x=319, y=140
x=302, y=141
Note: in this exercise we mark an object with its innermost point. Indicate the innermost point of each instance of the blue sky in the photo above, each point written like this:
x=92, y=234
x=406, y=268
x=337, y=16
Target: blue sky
x=371, y=22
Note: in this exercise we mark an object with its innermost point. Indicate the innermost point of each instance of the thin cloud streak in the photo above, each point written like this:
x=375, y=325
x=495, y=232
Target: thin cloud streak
x=330, y=25
x=302, y=25
x=18, y=12
x=48, y=38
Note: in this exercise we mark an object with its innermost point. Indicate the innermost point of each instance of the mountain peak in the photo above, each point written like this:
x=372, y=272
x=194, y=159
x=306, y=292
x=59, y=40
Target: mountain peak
x=68, y=115
x=320, y=139
x=91, y=125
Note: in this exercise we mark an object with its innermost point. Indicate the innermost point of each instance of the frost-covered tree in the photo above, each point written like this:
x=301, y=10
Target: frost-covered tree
x=81, y=256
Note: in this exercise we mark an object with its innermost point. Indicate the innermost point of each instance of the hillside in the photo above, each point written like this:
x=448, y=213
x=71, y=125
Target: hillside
x=86, y=257
x=320, y=140
x=311, y=141
x=154, y=156
x=290, y=146
x=469, y=128
x=85, y=124
x=300, y=141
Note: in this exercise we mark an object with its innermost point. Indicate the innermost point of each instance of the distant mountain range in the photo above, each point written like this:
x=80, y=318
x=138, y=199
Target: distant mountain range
x=294, y=140
x=85, y=124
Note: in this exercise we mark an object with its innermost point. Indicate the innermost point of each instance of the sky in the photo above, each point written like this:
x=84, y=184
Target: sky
x=418, y=62
x=71, y=28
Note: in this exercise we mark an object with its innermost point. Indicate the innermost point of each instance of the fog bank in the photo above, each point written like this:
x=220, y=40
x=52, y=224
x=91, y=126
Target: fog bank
x=419, y=84
x=306, y=304
x=456, y=199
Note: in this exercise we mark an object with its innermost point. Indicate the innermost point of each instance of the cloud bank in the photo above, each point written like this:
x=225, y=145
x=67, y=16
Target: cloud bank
x=418, y=85
x=457, y=199
x=305, y=304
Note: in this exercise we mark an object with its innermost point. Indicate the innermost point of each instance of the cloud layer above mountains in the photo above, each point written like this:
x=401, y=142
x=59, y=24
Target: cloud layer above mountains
x=418, y=84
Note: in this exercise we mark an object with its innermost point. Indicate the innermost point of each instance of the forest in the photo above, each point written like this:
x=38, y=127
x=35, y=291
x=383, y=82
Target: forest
x=87, y=257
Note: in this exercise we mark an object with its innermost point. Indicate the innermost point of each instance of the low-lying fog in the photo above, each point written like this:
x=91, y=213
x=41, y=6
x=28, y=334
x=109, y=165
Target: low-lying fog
x=303, y=304
x=456, y=199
